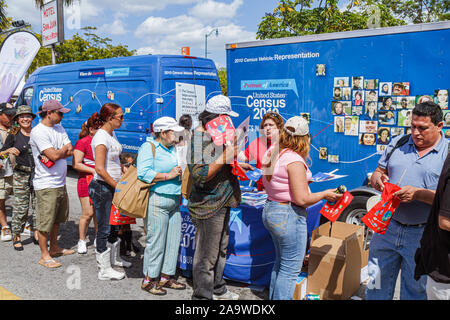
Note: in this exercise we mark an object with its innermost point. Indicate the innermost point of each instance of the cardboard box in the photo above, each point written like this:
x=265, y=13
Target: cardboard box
x=300, y=287
x=335, y=262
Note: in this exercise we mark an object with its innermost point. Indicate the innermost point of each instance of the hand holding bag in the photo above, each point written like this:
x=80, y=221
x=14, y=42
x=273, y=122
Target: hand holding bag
x=131, y=195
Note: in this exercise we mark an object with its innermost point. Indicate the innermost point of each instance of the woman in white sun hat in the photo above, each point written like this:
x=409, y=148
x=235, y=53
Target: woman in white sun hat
x=157, y=162
x=285, y=178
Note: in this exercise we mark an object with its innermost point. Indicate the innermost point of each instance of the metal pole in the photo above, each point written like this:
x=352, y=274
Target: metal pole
x=53, y=54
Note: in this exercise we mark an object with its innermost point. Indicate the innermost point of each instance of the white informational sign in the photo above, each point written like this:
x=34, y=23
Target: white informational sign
x=16, y=54
x=52, y=31
x=190, y=99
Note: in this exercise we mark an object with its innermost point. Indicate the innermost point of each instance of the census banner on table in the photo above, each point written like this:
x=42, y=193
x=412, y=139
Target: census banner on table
x=16, y=54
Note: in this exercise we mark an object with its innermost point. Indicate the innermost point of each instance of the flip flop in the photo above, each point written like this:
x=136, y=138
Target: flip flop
x=65, y=252
x=50, y=263
x=18, y=248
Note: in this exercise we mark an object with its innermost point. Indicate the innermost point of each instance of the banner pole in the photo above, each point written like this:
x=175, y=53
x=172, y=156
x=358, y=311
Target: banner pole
x=53, y=54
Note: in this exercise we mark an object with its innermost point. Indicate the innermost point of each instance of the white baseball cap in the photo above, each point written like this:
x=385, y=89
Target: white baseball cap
x=166, y=123
x=220, y=104
x=299, y=124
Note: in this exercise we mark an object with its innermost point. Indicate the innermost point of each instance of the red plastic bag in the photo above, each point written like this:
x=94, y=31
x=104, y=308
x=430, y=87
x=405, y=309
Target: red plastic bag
x=88, y=181
x=116, y=219
x=380, y=215
x=237, y=171
x=332, y=213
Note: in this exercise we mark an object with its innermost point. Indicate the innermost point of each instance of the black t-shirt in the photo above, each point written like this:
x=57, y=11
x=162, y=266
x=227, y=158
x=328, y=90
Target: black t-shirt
x=21, y=143
x=433, y=256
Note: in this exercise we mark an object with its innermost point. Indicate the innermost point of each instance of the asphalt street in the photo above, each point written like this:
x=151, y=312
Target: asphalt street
x=23, y=277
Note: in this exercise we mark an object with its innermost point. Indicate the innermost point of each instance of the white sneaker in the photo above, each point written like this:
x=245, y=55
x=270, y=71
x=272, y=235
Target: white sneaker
x=82, y=248
x=95, y=243
x=226, y=296
x=27, y=230
x=6, y=234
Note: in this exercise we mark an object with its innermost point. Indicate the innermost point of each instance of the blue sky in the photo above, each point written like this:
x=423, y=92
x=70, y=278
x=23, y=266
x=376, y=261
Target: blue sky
x=160, y=26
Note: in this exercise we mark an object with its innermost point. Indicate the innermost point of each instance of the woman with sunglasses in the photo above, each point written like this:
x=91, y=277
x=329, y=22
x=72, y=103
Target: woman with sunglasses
x=17, y=144
x=107, y=149
x=270, y=126
x=286, y=176
x=83, y=162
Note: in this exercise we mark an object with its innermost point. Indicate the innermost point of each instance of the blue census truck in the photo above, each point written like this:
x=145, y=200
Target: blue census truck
x=357, y=89
x=146, y=87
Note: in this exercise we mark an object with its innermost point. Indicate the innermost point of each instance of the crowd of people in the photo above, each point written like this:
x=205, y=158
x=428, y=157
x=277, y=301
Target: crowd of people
x=34, y=169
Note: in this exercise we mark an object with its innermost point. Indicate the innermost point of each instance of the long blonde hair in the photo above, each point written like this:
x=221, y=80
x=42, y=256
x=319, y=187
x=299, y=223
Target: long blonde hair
x=298, y=144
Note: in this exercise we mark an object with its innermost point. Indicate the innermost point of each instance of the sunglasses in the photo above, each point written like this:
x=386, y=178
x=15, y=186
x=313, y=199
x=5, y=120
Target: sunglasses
x=120, y=117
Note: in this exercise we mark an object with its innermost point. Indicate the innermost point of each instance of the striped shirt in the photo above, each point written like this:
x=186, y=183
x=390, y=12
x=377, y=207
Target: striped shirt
x=208, y=197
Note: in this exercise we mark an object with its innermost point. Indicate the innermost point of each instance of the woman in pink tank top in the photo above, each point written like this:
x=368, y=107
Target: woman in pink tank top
x=285, y=178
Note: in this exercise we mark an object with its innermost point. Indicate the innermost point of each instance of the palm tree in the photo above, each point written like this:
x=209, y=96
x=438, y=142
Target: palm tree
x=40, y=3
x=3, y=17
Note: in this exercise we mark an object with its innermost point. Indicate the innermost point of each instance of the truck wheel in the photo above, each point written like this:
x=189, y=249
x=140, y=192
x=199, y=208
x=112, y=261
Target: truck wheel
x=354, y=213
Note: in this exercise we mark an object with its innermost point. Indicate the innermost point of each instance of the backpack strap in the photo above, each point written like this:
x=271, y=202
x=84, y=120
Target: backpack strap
x=403, y=140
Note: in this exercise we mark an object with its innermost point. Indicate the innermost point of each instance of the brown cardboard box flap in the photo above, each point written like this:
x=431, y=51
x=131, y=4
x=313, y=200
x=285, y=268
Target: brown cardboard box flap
x=328, y=246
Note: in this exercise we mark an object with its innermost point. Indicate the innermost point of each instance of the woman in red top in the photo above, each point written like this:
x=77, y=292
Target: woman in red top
x=270, y=126
x=83, y=162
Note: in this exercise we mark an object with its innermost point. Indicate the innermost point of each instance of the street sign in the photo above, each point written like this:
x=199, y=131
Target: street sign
x=52, y=15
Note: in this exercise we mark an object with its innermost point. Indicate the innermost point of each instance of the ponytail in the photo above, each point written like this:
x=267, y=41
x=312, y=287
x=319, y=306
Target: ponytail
x=93, y=122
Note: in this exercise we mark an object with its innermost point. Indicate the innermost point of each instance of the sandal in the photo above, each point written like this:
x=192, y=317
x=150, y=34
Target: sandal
x=17, y=244
x=171, y=283
x=153, y=288
x=50, y=263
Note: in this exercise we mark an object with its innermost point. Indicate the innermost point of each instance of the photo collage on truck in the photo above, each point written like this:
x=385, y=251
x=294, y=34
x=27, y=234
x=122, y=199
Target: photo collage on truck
x=376, y=111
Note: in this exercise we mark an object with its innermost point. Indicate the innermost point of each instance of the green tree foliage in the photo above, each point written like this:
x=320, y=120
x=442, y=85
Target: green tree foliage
x=222, y=72
x=88, y=46
x=303, y=17
x=40, y=3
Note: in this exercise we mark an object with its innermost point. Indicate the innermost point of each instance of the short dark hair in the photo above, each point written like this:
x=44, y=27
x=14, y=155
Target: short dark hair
x=206, y=117
x=42, y=114
x=429, y=109
x=186, y=121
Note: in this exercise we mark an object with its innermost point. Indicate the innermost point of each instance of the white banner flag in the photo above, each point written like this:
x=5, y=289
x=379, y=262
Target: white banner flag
x=16, y=54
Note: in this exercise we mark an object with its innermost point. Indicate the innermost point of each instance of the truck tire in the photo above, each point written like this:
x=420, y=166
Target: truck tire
x=354, y=212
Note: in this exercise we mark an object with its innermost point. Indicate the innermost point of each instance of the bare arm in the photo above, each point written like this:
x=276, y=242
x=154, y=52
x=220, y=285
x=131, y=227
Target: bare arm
x=57, y=154
x=444, y=223
x=410, y=193
x=298, y=185
x=100, y=159
x=378, y=178
x=78, y=164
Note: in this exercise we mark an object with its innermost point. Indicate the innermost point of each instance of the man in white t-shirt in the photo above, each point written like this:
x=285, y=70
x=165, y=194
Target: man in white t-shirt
x=51, y=146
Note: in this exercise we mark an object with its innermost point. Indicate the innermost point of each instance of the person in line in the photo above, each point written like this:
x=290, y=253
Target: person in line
x=17, y=144
x=125, y=234
x=184, y=141
x=286, y=177
x=163, y=220
x=270, y=126
x=432, y=257
x=83, y=162
x=215, y=189
x=7, y=112
x=106, y=149
x=49, y=139
x=417, y=164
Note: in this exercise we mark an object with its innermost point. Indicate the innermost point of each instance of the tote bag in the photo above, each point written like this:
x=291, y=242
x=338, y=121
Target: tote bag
x=131, y=195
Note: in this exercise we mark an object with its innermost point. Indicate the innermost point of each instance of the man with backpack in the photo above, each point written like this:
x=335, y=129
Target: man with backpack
x=415, y=162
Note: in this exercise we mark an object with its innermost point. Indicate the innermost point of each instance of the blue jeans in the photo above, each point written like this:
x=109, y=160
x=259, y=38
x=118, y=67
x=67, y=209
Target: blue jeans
x=390, y=253
x=287, y=226
x=101, y=195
